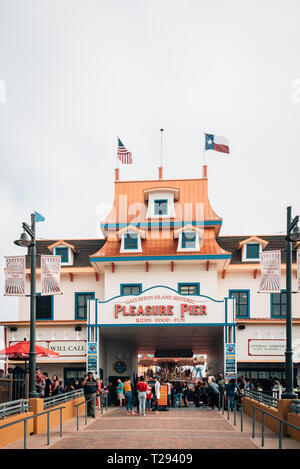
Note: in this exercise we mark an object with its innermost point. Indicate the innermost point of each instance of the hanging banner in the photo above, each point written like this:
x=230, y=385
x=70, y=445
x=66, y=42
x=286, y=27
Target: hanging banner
x=15, y=276
x=50, y=275
x=230, y=358
x=270, y=264
x=298, y=268
x=92, y=359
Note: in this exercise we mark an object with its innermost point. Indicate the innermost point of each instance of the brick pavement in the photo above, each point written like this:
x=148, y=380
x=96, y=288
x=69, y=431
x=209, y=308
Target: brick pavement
x=174, y=429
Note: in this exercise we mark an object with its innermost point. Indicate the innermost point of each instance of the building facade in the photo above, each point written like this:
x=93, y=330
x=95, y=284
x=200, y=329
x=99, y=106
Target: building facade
x=162, y=280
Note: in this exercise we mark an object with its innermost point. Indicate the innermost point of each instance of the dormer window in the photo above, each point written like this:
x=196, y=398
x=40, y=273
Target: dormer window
x=161, y=202
x=188, y=239
x=65, y=250
x=161, y=207
x=251, y=248
x=131, y=239
x=64, y=253
x=252, y=251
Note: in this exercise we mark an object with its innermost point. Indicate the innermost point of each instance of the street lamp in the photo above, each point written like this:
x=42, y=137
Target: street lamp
x=30, y=243
x=292, y=235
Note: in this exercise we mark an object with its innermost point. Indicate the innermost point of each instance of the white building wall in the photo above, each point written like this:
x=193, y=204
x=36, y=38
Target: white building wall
x=64, y=305
x=260, y=303
x=161, y=274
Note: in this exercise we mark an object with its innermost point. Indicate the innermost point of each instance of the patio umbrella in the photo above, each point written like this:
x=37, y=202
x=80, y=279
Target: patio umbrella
x=21, y=351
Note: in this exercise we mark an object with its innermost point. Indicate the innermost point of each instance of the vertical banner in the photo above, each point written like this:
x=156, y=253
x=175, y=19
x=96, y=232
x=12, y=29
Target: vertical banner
x=230, y=362
x=92, y=357
x=15, y=276
x=298, y=268
x=270, y=264
x=50, y=275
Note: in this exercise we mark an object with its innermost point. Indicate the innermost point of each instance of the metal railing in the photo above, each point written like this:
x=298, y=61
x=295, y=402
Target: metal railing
x=24, y=419
x=263, y=398
x=102, y=397
x=60, y=398
x=236, y=406
x=14, y=407
x=281, y=422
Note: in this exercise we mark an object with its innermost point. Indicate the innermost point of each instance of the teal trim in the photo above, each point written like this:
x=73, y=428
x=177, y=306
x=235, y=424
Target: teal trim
x=197, y=284
x=162, y=286
x=122, y=285
x=160, y=258
x=52, y=309
x=248, y=302
x=76, y=296
x=160, y=224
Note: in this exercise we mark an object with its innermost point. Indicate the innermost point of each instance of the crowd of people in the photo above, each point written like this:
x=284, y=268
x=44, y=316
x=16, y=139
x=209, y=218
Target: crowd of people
x=144, y=395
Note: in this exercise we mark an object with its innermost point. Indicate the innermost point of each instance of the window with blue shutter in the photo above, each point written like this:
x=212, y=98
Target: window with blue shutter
x=188, y=239
x=252, y=251
x=278, y=304
x=64, y=253
x=242, y=298
x=131, y=241
x=161, y=207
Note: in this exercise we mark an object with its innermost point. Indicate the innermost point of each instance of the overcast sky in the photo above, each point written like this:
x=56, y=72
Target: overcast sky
x=74, y=74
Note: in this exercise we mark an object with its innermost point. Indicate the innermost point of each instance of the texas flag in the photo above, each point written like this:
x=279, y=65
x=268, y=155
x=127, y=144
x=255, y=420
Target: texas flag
x=217, y=143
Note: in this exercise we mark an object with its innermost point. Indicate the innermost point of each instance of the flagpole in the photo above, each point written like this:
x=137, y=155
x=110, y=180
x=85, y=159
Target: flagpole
x=161, y=134
x=160, y=169
x=204, y=154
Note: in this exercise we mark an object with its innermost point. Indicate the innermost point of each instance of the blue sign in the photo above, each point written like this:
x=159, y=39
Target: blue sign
x=230, y=358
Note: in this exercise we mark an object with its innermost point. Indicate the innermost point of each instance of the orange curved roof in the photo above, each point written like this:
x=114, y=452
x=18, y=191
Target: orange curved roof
x=130, y=206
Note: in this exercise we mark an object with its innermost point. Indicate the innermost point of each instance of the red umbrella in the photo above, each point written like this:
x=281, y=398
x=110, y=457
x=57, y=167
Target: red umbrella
x=21, y=350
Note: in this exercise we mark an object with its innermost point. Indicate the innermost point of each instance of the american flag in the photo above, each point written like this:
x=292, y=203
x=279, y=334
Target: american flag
x=123, y=154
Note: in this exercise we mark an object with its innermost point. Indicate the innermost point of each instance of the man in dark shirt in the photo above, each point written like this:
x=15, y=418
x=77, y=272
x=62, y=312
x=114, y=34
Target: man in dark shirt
x=178, y=394
x=90, y=387
x=48, y=384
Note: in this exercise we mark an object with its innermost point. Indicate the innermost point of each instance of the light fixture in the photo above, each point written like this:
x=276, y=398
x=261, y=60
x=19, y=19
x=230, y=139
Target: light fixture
x=295, y=235
x=24, y=241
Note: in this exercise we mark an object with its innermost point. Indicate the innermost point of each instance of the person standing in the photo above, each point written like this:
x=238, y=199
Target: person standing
x=213, y=390
x=231, y=389
x=136, y=395
x=128, y=396
x=55, y=388
x=170, y=386
x=48, y=384
x=120, y=391
x=185, y=391
x=156, y=394
x=142, y=388
x=148, y=398
x=90, y=387
x=222, y=386
x=40, y=382
x=178, y=394
x=98, y=393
